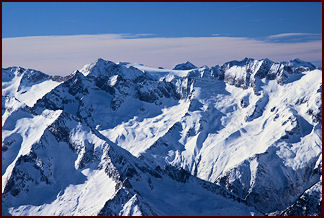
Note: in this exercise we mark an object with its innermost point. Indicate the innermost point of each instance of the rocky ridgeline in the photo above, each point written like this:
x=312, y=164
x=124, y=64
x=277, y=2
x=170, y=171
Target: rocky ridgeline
x=244, y=135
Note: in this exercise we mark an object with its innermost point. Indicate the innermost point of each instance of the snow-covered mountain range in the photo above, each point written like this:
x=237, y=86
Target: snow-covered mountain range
x=244, y=138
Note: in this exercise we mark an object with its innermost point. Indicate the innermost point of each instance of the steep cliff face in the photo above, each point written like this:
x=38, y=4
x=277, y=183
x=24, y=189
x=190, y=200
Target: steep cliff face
x=308, y=204
x=244, y=138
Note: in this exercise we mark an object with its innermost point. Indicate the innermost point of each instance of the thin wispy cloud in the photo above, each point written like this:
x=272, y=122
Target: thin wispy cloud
x=285, y=35
x=139, y=35
x=62, y=55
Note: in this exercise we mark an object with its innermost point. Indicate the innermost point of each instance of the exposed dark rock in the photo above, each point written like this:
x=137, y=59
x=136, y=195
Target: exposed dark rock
x=177, y=174
x=185, y=66
x=308, y=204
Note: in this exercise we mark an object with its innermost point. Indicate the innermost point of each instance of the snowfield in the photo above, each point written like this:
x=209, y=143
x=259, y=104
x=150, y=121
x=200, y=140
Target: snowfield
x=244, y=138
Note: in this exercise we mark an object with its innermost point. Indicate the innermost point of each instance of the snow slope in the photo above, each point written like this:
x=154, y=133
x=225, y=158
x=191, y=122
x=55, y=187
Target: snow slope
x=23, y=87
x=189, y=141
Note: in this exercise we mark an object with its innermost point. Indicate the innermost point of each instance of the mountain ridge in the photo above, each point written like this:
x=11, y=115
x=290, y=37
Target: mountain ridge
x=229, y=128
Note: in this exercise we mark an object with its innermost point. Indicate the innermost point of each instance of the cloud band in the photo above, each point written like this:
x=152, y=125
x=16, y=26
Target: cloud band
x=62, y=55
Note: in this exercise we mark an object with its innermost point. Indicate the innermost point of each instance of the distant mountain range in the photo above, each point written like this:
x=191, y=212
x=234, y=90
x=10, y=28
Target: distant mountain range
x=244, y=138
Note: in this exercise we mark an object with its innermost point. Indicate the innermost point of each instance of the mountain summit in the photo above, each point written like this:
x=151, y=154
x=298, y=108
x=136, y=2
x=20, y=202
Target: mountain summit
x=185, y=66
x=243, y=138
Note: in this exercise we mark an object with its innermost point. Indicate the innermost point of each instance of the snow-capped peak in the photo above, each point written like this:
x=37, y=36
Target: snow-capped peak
x=26, y=85
x=242, y=138
x=185, y=66
x=104, y=68
x=97, y=68
x=299, y=65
